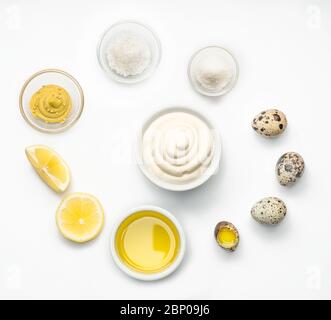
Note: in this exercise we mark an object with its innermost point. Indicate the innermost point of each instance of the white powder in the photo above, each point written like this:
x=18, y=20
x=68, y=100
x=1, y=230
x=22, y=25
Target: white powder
x=214, y=74
x=128, y=54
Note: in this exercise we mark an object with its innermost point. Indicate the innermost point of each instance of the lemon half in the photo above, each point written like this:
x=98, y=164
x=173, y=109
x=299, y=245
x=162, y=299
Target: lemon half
x=50, y=167
x=80, y=217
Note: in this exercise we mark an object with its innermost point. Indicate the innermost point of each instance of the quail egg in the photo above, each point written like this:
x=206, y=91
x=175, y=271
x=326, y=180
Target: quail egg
x=270, y=210
x=289, y=168
x=270, y=123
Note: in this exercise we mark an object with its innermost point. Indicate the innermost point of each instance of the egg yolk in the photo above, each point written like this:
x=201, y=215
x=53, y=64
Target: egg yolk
x=227, y=238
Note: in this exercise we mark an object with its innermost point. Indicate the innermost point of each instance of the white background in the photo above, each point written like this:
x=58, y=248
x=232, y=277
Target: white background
x=283, y=49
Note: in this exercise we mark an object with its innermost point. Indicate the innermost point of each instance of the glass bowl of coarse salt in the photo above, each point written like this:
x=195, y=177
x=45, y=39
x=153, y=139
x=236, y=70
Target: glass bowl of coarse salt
x=129, y=51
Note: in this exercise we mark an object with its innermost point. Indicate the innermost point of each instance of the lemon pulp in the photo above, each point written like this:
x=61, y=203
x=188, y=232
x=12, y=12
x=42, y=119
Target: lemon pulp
x=50, y=167
x=147, y=242
x=227, y=237
x=80, y=217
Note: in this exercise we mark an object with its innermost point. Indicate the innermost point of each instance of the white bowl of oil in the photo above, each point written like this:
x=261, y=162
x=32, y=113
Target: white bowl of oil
x=147, y=243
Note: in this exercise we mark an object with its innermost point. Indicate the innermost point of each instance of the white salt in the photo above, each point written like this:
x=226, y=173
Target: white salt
x=128, y=54
x=213, y=74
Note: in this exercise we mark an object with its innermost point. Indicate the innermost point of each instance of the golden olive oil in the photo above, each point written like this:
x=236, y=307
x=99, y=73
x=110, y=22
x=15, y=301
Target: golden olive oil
x=147, y=242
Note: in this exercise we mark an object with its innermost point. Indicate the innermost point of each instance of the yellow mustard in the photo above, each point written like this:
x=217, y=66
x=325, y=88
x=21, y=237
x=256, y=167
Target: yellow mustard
x=51, y=103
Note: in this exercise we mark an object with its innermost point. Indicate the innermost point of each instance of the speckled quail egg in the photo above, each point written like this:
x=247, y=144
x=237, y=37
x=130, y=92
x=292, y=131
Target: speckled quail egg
x=226, y=235
x=289, y=168
x=270, y=210
x=270, y=123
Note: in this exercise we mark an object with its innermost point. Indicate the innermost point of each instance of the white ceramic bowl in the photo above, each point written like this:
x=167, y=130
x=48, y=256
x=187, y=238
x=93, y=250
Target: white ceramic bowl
x=140, y=29
x=211, y=170
x=143, y=276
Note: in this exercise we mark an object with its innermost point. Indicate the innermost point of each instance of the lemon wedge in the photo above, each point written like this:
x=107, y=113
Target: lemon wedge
x=50, y=167
x=80, y=217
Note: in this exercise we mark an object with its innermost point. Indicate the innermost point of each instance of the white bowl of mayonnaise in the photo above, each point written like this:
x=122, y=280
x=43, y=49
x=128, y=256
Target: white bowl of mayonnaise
x=179, y=149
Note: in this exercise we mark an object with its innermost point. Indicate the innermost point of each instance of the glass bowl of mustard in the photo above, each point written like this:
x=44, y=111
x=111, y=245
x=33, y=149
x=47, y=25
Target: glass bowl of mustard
x=51, y=101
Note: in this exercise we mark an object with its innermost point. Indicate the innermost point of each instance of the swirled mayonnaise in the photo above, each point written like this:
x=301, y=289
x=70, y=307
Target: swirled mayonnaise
x=177, y=147
x=51, y=103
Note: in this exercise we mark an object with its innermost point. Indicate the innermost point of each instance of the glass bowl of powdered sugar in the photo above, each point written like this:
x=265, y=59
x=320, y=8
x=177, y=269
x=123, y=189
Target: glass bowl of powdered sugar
x=213, y=71
x=129, y=51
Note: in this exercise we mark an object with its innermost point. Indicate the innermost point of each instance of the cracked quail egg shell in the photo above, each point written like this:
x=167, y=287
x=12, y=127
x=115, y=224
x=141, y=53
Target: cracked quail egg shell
x=226, y=235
